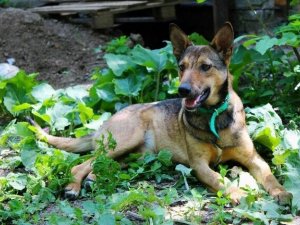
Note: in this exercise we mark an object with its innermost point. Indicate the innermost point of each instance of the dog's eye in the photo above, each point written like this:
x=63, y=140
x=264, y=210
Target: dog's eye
x=205, y=67
x=181, y=67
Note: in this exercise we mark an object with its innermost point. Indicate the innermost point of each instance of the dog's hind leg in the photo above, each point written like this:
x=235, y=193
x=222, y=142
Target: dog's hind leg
x=126, y=142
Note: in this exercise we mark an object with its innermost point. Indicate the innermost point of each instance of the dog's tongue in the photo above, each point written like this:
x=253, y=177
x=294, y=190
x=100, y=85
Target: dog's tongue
x=191, y=102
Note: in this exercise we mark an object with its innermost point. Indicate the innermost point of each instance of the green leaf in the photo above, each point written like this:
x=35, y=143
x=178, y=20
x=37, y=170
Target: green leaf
x=198, y=39
x=288, y=38
x=165, y=157
x=44, y=117
x=14, y=99
x=264, y=125
x=107, y=219
x=106, y=92
x=119, y=63
x=77, y=93
x=28, y=157
x=58, y=115
x=183, y=169
x=42, y=92
x=17, y=180
x=292, y=178
x=268, y=137
x=85, y=113
x=129, y=86
x=264, y=44
x=21, y=107
x=155, y=60
x=291, y=139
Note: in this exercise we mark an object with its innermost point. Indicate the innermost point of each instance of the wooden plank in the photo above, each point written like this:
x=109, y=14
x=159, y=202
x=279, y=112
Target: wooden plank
x=101, y=20
x=67, y=9
x=164, y=13
x=85, y=7
x=149, y=5
x=109, y=3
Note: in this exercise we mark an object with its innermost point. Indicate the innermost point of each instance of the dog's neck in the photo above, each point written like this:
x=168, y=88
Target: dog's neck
x=199, y=122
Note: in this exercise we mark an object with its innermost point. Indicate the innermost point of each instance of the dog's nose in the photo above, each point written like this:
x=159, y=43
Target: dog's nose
x=184, y=89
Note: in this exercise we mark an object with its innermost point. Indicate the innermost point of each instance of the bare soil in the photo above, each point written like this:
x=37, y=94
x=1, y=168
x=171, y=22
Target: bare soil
x=63, y=54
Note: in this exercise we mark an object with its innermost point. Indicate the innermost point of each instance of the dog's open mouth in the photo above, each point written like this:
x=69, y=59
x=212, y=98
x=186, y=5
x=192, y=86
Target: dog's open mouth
x=192, y=103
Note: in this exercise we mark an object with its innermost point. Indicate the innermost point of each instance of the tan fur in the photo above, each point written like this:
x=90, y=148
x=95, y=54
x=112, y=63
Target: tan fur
x=168, y=124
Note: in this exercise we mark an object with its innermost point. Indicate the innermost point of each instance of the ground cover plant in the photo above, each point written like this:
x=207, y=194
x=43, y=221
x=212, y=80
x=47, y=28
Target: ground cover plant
x=151, y=189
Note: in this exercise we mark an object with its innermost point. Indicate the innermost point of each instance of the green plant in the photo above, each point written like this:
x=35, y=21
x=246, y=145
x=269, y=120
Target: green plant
x=267, y=66
x=141, y=75
x=117, y=46
x=4, y=2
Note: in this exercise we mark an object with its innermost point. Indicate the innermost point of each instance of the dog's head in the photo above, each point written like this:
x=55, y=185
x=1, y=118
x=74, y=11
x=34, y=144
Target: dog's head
x=203, y=70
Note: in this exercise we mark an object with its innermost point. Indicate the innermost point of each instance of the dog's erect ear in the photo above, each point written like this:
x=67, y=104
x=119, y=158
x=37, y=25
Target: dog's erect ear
x=179, y=39
x=223, y=40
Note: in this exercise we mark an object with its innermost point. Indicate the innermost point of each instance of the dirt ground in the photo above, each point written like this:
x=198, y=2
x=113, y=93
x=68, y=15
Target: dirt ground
x=63, y=54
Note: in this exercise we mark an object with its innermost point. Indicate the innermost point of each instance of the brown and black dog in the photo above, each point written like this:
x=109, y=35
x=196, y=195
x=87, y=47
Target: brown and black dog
x=205, y=127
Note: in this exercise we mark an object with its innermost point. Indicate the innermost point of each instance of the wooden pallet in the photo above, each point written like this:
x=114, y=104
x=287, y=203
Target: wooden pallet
x=103, y=14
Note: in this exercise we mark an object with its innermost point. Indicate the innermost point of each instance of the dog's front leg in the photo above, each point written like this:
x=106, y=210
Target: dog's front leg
x=246, y=154
x=200, y=155
x=215, y=181
x=262, y=172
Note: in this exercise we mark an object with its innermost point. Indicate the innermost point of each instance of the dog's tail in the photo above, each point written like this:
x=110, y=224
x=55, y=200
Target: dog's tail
x=75, y=145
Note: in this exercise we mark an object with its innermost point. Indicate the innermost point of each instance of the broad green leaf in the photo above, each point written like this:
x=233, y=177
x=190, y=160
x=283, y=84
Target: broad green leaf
x=268, y=137
x=28, y=158
x=24, y=81
x=77, y=92
x=15, y=96
x=264, y=44
x=42, y=92
x=153, y=60
x=58, y=115
x=118, y=63
x=165, y=157
x=21, y=107
x=17, y=180
x=149, y=157
x=183, y=169
x=129, y=86
x=90, y=207
x=44, y=117
x=198, y=39
x=291, y=139
x=85, y=113
x=292, y=177
x=106, y=92
x=155, y=166
x=107, y=219
x=288, y=38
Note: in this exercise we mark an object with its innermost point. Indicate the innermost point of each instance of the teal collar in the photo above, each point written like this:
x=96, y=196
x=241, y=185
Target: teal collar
x=215, y=112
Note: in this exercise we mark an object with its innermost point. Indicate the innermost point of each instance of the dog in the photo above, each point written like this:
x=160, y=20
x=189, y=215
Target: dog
x=205, y=126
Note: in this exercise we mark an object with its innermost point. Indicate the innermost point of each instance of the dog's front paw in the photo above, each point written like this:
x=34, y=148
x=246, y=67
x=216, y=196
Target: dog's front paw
x=88, y=184
x=283, y=197
x=235, y=194
x=72, y=191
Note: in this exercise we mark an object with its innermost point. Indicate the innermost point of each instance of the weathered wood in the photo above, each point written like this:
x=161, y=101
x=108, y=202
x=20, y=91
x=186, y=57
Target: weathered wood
x=101, y=20
x=164, y=13
x=85, y=7
x=102, y=13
